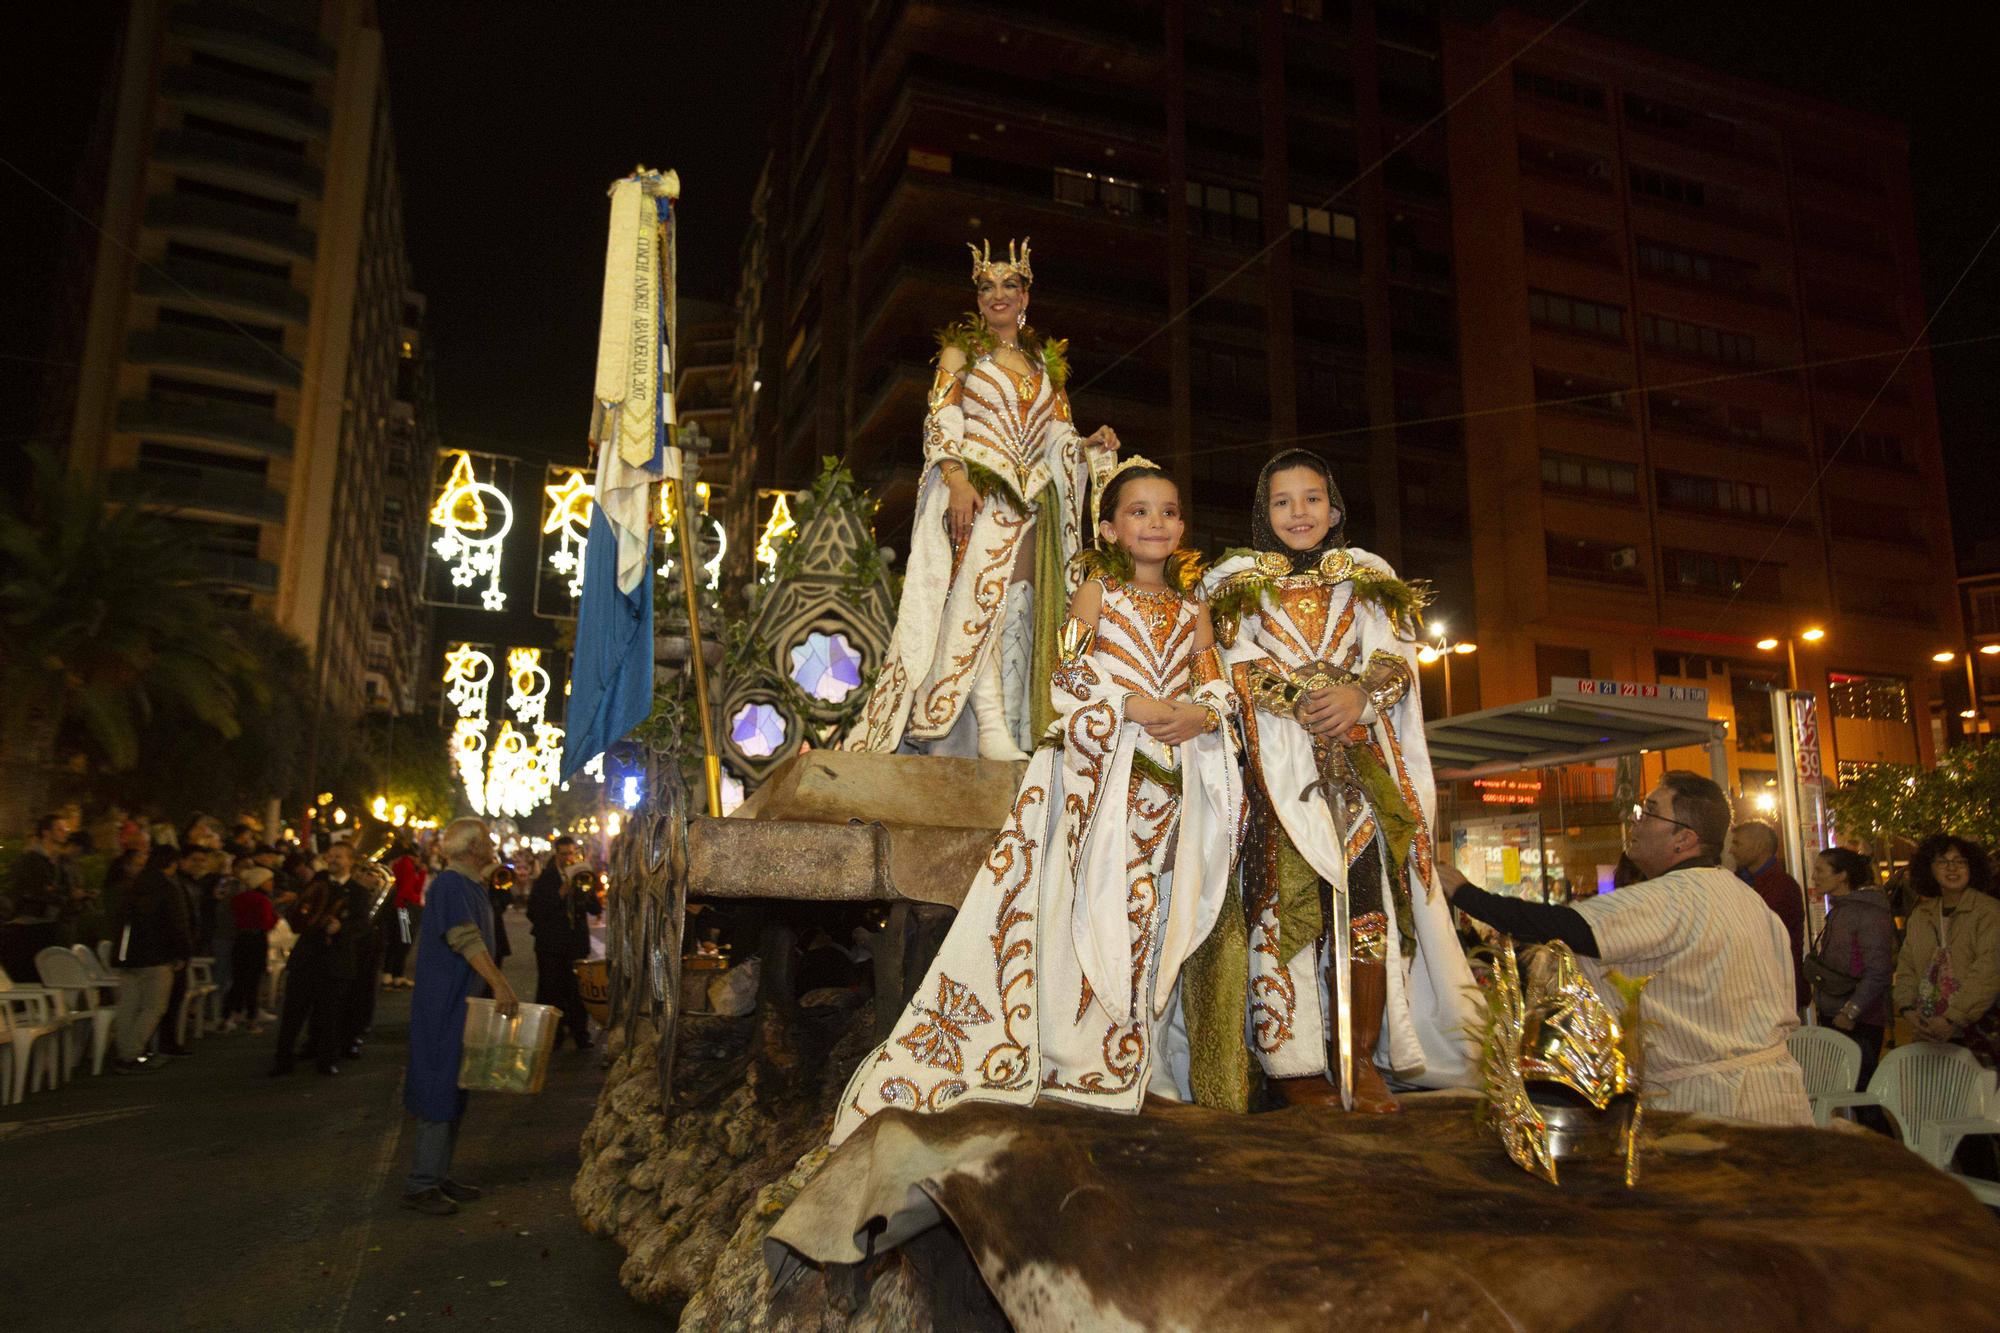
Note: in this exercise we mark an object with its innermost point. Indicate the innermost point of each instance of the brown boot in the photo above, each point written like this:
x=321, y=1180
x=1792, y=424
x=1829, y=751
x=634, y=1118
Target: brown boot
x=1306, y=1090
x=1371, y=998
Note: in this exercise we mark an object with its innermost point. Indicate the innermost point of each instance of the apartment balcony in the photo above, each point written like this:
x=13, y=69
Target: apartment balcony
x=238, y=571
x=241, y=427
x=224, y=290
x=233, y=358
x=254, y=37
x=258, y=106
x=199, y=492
x=231, y=227
x=239, y=165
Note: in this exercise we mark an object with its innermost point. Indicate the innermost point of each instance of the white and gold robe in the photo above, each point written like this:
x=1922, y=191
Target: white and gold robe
x=1016, y=428
x=1319, y=617
x=1058, y=977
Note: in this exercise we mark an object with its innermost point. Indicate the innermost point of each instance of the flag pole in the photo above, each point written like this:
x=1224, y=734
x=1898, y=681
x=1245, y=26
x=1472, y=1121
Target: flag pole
x=690, y=572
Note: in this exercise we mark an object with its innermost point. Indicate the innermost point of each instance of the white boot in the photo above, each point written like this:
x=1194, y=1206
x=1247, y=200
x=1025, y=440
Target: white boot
x=989, y=710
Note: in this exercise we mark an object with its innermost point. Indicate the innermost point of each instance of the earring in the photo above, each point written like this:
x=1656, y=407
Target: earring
x=1021, y=319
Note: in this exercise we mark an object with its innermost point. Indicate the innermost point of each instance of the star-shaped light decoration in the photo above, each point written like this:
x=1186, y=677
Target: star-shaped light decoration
x=569, y=520
x=468, y=672
x=476, y=517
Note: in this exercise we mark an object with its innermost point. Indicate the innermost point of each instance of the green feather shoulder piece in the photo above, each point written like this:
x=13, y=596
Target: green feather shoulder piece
x=1114, y=565
x=1055, y=360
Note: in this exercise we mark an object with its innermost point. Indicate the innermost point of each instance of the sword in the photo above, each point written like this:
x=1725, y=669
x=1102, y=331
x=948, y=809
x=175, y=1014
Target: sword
x=1279, y=692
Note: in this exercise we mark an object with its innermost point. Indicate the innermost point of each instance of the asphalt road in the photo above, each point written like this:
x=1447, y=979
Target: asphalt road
x=211, y=1197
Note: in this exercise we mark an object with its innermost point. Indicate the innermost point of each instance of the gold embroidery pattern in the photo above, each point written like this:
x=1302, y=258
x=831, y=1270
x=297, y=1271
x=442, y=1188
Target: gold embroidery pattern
x=940, y=704
x=1307, y=606
x=936, y=1039
x=1005, y=1064
x=1273, y=999
x=1088, y=736
x=885, y=705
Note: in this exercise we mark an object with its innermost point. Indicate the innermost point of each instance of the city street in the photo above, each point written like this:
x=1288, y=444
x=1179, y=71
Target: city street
x=209, y=1196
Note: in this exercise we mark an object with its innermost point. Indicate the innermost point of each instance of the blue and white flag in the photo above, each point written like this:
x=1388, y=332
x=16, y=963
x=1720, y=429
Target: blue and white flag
x=611, y=674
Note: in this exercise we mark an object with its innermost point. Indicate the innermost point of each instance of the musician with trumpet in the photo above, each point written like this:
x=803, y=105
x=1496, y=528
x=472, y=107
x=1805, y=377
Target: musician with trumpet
x=330, y=918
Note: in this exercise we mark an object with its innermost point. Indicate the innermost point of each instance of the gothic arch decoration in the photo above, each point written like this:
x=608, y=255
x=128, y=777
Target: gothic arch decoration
x=799, y=671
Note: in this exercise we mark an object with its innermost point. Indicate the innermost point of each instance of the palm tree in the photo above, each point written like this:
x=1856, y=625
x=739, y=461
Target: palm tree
x=103, y=617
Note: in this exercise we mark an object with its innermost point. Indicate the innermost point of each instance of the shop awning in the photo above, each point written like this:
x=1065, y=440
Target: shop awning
x=1563, y=729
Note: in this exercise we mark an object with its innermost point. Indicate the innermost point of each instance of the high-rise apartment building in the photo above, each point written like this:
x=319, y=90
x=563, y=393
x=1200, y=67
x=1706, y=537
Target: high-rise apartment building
x=1690, y=292
x=1188, y=174
x=399, y=622
x=243, y=332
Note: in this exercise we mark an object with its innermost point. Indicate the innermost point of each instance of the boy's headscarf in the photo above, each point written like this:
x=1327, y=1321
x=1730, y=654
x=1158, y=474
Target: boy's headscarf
x=1264, y=537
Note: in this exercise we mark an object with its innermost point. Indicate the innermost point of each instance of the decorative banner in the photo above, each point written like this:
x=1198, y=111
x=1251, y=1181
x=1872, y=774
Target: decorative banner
x=566, y=501
x=474, y=515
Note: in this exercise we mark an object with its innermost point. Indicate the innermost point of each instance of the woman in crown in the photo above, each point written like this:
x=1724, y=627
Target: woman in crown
x=1000, y=512
x=1063, y=974
x=1353, y=963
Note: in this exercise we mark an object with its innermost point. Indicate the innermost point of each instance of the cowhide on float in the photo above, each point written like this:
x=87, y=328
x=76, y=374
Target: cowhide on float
x=1183, y=1218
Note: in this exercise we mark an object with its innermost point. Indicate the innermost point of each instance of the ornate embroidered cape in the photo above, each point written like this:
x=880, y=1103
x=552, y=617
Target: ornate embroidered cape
x=1343, y=614
x=1014, y=436
x=1058, y=976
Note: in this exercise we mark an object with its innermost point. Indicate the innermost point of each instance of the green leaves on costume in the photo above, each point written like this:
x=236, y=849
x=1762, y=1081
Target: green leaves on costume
x=973, y=340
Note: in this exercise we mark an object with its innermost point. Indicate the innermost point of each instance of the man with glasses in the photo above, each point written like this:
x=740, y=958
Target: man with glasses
x=1719, y=1003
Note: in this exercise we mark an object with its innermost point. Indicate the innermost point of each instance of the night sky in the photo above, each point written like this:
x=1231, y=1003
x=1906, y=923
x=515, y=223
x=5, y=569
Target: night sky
x=511, y=117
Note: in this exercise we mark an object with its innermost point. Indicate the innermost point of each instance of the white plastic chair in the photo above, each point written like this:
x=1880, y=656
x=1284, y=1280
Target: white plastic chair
x=36, y=1039
x=1986, y=1191
x=62, y=971
x=54, y=1013
x=104, y=948
x=1831, y=1062
x=1924, y=1085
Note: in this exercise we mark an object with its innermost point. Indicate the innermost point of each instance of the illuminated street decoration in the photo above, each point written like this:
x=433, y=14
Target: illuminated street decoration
x=476, y=517
x=509, y=776
x=468, y=757
x=779, y=526
x=468, y=673
x=708, y=529
x=530, y=685
x=568, y=520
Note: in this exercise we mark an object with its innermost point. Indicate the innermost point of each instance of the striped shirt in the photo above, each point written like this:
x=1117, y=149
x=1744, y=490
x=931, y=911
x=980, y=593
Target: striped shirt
x=1719, y=1003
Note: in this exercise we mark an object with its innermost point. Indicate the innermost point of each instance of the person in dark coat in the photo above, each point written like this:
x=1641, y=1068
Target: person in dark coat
x=1753, y=846
x=1859, y=939
x=454, y=961
x=557, y=910
x=323, y=965
x=185, y=875
x=154, y=940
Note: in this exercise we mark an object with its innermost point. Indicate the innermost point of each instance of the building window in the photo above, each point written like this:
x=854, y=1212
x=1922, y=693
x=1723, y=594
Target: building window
x=1714, y=495
x=1586, y=96
x=1579, y=393
x=1569, y=163
x=1694, y=266
x=1698, y=340
x=1110, y=194
x=1707, y=574
x=1673, y=118
x=1597, y=477
x=1869, y=698
x=1575, y=239
x=1876, y=522
x=1326, y=235
x=1584, y=558
x=1669, y=188
x=1882, y=599
x=1573, y=314
x=1225, y=214
x=1870, y=447
x=1986, y=611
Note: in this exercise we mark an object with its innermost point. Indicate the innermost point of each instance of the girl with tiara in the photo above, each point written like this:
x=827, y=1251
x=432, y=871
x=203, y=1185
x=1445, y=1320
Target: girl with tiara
x=1353, y=963
x=1000, y=512
x=1059, y=977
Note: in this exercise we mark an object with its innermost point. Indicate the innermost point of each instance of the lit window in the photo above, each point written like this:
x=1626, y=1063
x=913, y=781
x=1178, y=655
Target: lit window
x=757, y=730
x=826, y=667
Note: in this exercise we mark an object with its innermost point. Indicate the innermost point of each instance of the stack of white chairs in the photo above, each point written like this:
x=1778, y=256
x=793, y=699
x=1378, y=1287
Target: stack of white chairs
x=63, y=972
x=37, y=1029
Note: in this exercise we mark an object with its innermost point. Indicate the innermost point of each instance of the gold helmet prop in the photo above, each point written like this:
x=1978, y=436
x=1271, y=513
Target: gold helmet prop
x=1549, y=1034
x=1015, y=265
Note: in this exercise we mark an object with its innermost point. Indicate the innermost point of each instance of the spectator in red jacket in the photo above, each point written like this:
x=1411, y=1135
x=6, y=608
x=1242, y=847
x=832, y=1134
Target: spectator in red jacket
x=255, y=917
x=406, y=910
x=1753, y=846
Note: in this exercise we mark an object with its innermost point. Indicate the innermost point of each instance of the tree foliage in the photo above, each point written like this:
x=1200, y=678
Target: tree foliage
x=105, y=624
x=1890, y=802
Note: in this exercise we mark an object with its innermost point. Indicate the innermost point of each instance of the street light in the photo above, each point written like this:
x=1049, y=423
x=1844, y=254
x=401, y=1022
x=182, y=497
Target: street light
x=1812, y=634
x=1441, y=648
x=1970, y=713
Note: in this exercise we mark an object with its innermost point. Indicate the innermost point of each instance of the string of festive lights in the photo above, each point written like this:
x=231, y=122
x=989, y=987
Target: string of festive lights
x=476, y=517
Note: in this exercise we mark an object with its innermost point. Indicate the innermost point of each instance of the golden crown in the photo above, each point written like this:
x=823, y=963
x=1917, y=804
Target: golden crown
x=984, y=265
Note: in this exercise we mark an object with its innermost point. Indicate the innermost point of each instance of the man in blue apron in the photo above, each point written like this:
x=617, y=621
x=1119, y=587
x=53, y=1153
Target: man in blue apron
x=454, y=960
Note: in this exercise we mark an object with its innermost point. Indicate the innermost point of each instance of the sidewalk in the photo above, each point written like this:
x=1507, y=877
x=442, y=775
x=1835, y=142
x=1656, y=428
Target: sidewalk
x=209, y=1196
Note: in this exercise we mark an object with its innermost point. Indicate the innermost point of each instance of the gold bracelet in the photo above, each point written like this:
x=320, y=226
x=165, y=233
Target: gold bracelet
x=1214, y=717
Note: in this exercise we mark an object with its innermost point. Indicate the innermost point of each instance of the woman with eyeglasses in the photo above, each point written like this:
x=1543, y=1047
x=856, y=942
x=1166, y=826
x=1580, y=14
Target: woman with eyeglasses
x=1949, y=973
